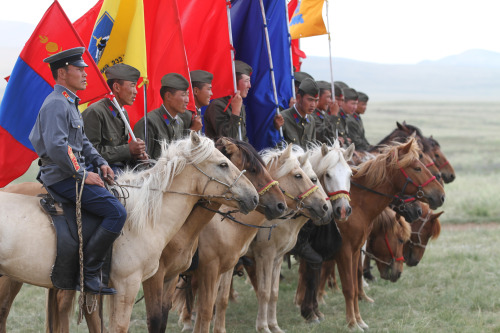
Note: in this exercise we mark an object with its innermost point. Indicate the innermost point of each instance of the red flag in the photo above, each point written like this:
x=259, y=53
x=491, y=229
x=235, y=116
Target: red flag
x=206, y=37
x=297, y=54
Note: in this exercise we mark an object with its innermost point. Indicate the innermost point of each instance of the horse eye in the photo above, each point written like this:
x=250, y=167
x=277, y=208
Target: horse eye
x=420, y=156
x=436, y=155
x=400, y=241
x=327, y=175
x=298, y=176
x=418, y=169
x=314, y=180
x=223, y=165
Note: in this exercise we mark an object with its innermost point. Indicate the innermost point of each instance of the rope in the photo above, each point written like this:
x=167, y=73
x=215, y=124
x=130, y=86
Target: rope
x=78, y=201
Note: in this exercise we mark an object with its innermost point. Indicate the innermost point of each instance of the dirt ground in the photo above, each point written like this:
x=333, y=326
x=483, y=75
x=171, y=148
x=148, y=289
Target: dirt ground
x=471, y=225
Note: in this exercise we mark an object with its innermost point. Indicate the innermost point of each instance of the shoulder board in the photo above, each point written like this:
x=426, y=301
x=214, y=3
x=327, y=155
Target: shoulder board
x=65, y=94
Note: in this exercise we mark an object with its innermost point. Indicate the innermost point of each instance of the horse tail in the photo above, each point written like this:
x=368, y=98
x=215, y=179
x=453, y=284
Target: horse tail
x=181, y=295
x=51, y=313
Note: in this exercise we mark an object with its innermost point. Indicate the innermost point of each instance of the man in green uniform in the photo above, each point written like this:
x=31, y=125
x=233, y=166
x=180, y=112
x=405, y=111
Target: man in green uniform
x=324, y=127
x=164, y=123
x=201, y=81
x=355, y=124
x=299, y=127
x=103, y=123
x=347, y=109
x=336, y=121
x=226, y=116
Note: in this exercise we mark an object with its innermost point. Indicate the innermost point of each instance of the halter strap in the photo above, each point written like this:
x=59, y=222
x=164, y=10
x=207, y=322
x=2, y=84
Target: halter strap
x=443, y=165
x=267, y=187
x=390, y=250
x=425, y=220
x=339, y=194
x=430, y=164
x=420, y=192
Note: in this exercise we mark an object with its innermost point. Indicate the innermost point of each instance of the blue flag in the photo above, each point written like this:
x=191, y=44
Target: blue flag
x=250, y=44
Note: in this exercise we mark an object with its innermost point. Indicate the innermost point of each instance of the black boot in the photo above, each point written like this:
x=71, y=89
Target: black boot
x=93, y=258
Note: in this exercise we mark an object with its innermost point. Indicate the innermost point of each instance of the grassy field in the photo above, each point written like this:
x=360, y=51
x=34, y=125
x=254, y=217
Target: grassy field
x=455, y=287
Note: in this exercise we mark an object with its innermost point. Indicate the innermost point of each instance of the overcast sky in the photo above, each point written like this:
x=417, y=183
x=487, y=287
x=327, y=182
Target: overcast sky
x=384, y=31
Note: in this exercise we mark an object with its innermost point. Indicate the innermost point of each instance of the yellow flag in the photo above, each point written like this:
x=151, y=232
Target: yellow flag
x=307, y=20
x=119, y=35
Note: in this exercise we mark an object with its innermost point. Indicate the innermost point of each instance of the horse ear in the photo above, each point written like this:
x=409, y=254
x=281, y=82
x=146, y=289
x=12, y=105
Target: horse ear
x=231, y=148
x=406, y=147
x=435, y=216
x=195, y=138
x=349, y=152
x=399, y=126
x=286, y=153
x=413, y=135
x=324, y=149
x=304, y=157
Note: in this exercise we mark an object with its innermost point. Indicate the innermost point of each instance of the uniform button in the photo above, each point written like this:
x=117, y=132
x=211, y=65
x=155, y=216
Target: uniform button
x=78, y=126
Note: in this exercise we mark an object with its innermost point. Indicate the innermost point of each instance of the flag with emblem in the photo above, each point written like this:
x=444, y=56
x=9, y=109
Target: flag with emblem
x=30, y=83
x=307, y=19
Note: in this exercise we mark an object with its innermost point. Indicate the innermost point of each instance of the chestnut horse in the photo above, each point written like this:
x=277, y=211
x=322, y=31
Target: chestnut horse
x=161, y=190
x=221, y=243
x=396, y=171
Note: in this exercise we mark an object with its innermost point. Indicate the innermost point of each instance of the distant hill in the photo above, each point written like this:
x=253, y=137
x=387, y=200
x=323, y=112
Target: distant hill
x=472, y=75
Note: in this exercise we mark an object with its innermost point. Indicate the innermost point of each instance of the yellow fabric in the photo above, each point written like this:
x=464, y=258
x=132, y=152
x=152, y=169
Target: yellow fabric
x=127, y=41
x=307, y=20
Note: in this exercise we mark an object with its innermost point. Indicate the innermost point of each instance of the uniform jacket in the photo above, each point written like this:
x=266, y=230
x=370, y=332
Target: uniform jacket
x=107, y=131
x=356, y=132
x=161, y=126
x=219, y=121
x=186, y=118
x=298, y=130
x=60, y=141
x=340, y=124
x=323, y=124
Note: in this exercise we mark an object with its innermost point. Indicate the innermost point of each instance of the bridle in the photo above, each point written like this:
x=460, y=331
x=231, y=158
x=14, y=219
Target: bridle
x=443, y=165
x=393, y=260
x=299, y=199
x=420, y=193
x=267, y=187
x=339, y=194
x=418, y=233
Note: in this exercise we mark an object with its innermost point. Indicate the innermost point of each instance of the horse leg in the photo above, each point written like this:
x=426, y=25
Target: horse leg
x=122, y=303
x=94, y=319
x=252, y=275
x=222, y=301
x=367, y=272
x=326, y=271
x=361, y=289
x=208, y=278
x=168, y=291
x=355, y=268
x=186, y=313
x=9, y=288
x=272, y=319
x=263, y=271
x=344, y=264
x=332, y=279
x=301, y=287
x=307, y=306
x=58, y=310
x=153, y=292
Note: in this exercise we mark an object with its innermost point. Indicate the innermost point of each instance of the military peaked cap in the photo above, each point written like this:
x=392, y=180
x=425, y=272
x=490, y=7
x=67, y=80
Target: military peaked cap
x=350, y=94
x=299, y=76
x=68, y=57
x=324, y=85
x=174, y=80
x=362, y=97
x=341, y=84
x=242, y=67
x=122, y=72
x=201, y=76
x=309, y=87
x=338, y=90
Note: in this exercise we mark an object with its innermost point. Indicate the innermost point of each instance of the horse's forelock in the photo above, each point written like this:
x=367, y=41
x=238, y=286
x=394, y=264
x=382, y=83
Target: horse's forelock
x=271, y=157
x=322, y=164
x=404, y=229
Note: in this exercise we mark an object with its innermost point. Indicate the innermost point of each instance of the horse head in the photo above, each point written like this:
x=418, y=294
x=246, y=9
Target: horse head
x=407, y=207
x=330, y=164
x=442, y=163
x=302, y=195
x=272, y=203
x=425, y=228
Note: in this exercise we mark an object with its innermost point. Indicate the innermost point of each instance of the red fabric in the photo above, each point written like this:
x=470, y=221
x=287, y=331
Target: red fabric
x=53, y=34
x=206, y=37
x=296, y=52
x=16, y=158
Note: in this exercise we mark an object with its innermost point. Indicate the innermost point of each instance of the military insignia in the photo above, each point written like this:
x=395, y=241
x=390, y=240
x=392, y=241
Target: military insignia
x=100, y=36
x=65, y=94
x=73, y=159
x=319, y=115
x=297, y=119
x=112, y=111
x=356, y=116
x=51, y=47
x=167, y=121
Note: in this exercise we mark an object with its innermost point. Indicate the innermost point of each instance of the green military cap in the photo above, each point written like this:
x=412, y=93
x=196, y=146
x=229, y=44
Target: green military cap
x=122, y=72
x=68, y=57
x=341, y=84
x=338, y=90
x=324, y=85
x=174, y=80
x=350, y=94
x=242, y=67
x=310, y=87
x=299, y=76
x=362, y=97
x=201, y=76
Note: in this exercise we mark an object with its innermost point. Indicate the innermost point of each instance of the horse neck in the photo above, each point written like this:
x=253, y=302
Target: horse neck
x=197, y=219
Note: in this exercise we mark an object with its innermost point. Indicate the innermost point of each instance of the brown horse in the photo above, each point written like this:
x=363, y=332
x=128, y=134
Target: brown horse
x=396, y=171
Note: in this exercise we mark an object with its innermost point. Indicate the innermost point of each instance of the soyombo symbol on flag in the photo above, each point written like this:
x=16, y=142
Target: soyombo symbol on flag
x=307, y=20
x=30, y=82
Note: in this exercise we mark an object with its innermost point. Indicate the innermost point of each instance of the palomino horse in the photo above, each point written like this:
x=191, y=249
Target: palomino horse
x=221, y=243
x=327, y=164
x=431, y=147
x=396, y=170
x=27, y=239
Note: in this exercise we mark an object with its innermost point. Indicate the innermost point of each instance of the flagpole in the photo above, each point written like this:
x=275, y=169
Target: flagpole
x=120, y=110
x=228, y=6
x=145, y=116
x=271, y=61
x=329, y=44
x=291, y=56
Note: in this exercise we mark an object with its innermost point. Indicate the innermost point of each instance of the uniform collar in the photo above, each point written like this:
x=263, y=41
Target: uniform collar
x=168, y=117
x=168, y=113
x=68, y=94
x=297, y=112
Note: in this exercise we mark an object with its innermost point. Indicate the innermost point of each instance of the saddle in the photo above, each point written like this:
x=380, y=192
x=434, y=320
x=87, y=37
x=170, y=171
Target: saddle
x=66, y=269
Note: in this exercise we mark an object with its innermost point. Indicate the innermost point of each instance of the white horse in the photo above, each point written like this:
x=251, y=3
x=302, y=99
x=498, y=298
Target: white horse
x=321, y=163
x=187, y=170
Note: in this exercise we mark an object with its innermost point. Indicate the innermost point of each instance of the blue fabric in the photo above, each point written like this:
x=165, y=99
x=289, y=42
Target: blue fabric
x=96, y=200
x=249, y=41
x=23, y=98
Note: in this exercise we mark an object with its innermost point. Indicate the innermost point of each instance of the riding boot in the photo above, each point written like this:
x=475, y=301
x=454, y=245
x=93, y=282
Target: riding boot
x=304, y=250
x=93, y=259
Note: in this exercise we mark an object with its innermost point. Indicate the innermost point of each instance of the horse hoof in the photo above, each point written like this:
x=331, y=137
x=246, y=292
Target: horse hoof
x=369, y=299
x=276, y=329
x=355, y=328
x=263, y=330
x=187, y=329
x=362, y=324
x=313, y=321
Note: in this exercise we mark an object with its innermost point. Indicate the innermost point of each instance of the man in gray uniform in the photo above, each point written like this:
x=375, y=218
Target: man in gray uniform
x=201, y=82
x=66, y=154
x=164, y=123
x=103, y=123
x=226, y=116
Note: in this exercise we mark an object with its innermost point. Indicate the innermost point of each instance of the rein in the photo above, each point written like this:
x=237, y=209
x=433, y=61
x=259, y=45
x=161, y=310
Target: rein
x=393, y=260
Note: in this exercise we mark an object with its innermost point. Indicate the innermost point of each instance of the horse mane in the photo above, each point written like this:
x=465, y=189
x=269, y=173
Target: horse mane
x=145, y=198
x=425, y=141
x=323, y=163
x=250, y=158
x=433, y=142
x=390, y=222
x=436, y=227
x=376, y=170
x=270, y=156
